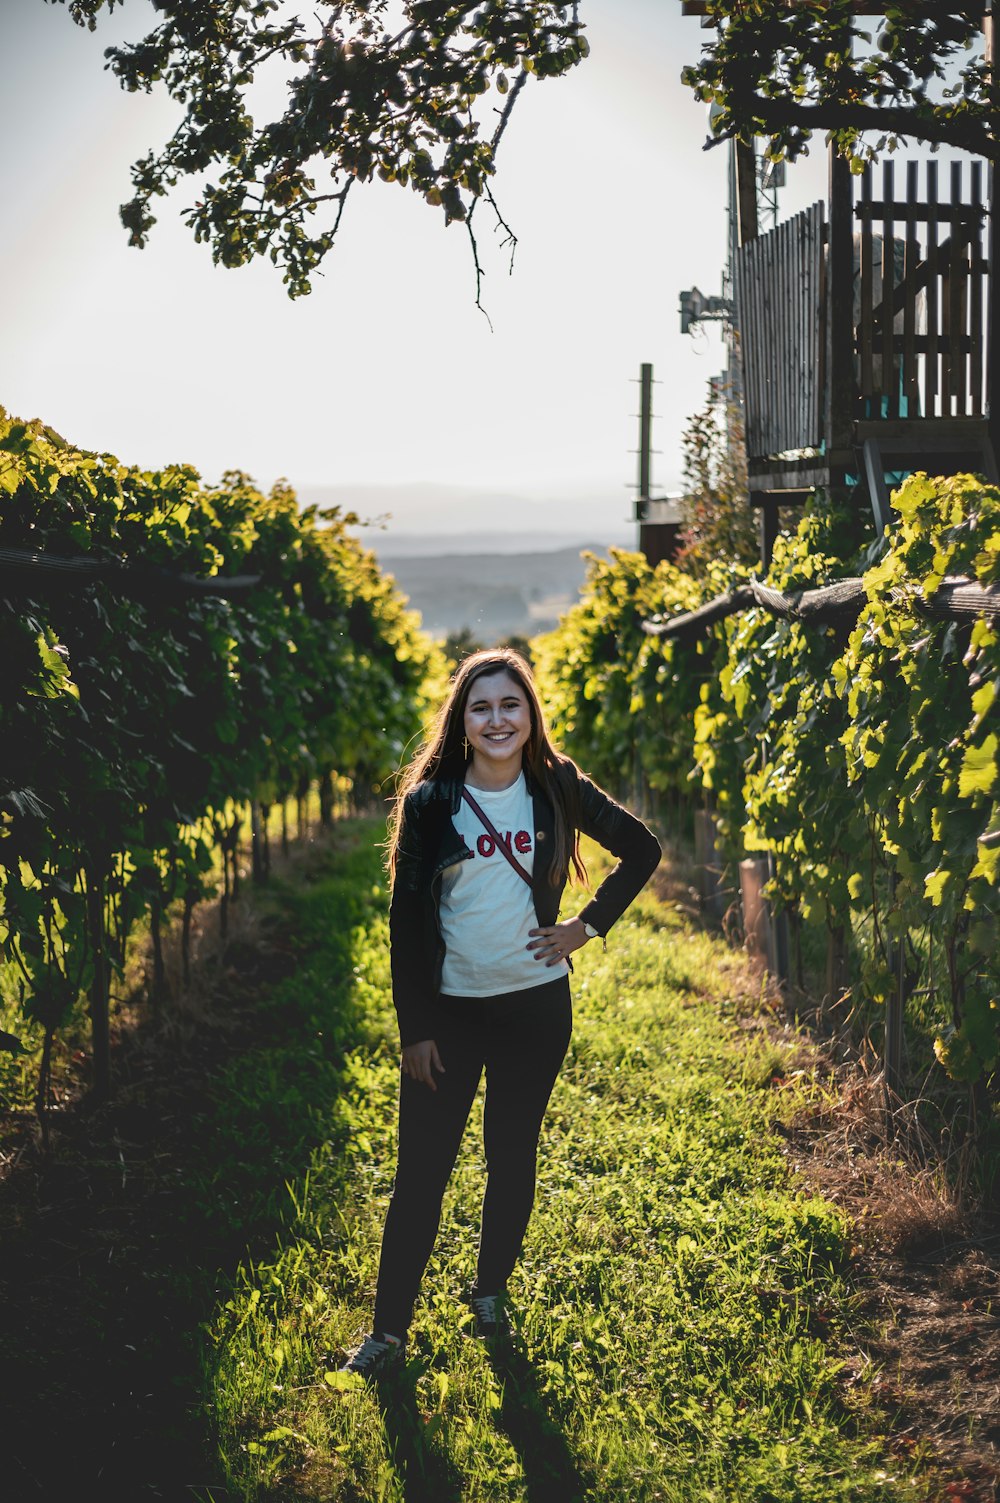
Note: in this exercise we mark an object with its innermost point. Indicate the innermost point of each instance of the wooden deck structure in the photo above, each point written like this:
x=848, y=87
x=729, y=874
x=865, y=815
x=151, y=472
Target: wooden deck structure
x=864, y=329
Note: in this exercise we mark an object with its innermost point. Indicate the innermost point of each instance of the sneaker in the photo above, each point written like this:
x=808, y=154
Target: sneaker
x=375, y=1356
x=490, y=1312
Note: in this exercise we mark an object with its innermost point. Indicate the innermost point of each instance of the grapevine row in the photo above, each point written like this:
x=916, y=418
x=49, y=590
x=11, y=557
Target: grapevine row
x=138, y=726
x=863, y=757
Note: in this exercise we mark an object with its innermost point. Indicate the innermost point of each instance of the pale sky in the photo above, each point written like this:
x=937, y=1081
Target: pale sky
x=387, y=376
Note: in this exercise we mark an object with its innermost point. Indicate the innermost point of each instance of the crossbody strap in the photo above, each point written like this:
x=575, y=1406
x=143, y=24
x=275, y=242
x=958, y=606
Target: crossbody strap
x=488, y=826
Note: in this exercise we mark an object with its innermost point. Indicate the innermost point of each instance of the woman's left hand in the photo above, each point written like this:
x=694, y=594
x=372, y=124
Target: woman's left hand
x=556, y=941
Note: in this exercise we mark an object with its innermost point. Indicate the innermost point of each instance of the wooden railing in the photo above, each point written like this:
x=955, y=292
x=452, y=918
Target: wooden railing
x=778, y=289
x=921, y=302
x=920, y=279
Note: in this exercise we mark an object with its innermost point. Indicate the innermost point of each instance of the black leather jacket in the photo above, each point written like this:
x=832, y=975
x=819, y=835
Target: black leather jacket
x=429, y=842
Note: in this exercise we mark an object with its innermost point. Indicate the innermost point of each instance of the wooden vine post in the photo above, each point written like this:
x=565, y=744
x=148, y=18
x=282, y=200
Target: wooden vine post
x=326, y=798
x=256, y=842
x=895, y=1008
x=836, y=978
x=707, y=864
x=779, y=931
x=777, y=923
x=156, y=937
x=757, y=935
x=100, y=1029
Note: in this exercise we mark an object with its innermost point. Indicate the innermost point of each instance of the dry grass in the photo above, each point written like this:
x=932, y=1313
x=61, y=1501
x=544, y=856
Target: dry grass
x=880, y=1160
x=926, y=1267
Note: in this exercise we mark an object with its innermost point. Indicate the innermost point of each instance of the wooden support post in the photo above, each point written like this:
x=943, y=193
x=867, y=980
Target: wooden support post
x=778, y=965
x=756, y=919
x=892, y=1066
x=840, y=382
x=708, y=869
x=326, y=797
x=894, y=1028
x=100, y=1030
x=265, y=819
x=256, y=842
x=156, y=935
x=746, y=191
x=992, y=342
x=768, y=527
x=836, y=969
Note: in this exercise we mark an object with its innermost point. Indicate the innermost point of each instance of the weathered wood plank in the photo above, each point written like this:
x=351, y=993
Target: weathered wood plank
x=693, y=622
x=759, y=345
x=804, y=302
x=976, y=294
x=877, y=208
x=887, y=384
x=958, y=299
x=821, y=363
x=944, y=314
x=911, y=259
x=837, y=602
x=931, y=362
x=768, y=350
x=841, y=384
x=779, y=311
x=787, y=315
x=866, y=373
x=956, y=598
x=960, y=296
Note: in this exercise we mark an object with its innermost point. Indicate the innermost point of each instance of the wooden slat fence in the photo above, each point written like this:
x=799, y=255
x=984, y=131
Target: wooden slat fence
x=920, y=299
x=778, y=293
x=920, y=313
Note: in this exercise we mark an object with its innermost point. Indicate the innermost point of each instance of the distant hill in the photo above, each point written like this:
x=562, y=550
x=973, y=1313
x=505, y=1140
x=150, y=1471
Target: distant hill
x=492, y=594
x=391, y=544
x=413, y=518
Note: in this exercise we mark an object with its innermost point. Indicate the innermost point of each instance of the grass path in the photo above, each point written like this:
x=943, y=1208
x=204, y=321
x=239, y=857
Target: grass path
x=681, y=1302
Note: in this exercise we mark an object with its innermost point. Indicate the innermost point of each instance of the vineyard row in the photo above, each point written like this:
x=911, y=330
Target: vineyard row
x=858, y=752
x=139, y=724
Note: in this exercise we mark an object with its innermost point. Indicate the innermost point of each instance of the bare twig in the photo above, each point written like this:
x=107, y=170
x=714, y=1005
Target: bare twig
x=478, y=267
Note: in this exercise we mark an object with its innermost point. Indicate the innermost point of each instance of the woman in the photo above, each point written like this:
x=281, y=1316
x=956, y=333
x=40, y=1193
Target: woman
x=484, y=834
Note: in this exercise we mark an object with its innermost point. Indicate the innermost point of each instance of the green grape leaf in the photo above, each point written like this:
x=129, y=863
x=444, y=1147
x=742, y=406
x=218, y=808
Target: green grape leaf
x=978, y=772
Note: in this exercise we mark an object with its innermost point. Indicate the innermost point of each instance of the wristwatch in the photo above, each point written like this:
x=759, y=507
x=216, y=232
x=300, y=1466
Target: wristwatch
x=590, y=931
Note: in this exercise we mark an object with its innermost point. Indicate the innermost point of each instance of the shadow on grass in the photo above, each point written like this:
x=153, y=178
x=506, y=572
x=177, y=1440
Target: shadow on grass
x=426, y=1471
x=550, y=1469
x=116, y=1249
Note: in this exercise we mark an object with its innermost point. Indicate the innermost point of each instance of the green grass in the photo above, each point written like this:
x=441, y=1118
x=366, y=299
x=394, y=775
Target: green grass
x=681, y=1303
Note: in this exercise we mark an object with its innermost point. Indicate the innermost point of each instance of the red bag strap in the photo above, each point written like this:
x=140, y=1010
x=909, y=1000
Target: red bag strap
x=488, y=826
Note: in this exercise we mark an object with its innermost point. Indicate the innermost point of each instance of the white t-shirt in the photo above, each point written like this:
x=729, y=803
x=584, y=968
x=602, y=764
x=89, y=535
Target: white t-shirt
x=486, y=908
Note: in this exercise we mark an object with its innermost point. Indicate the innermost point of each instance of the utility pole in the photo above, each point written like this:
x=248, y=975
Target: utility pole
x=645, y=430
x=658, y=516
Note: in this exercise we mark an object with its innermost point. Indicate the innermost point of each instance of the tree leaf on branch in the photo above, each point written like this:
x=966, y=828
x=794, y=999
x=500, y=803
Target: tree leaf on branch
x=781, y=72
x=409, y=104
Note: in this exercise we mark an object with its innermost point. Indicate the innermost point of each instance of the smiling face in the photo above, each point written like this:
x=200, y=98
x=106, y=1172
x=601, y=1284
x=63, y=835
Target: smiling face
x=497, y=720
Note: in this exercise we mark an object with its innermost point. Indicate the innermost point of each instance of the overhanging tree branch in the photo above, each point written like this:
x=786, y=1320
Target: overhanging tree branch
x=780, y=71
x=771, y=116
x=409, y=106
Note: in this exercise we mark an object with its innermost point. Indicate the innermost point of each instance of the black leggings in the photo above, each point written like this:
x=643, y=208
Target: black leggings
x=520, y=1038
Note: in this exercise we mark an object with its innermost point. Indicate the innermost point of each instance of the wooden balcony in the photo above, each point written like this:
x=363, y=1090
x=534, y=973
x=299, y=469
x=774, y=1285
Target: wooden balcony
x=864, y=334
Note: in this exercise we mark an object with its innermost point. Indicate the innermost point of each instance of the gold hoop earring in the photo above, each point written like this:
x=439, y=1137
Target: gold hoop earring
x=465, y=745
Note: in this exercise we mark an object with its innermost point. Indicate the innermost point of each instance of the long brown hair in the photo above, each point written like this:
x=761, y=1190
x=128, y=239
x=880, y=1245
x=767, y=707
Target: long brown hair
x=442, y=755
